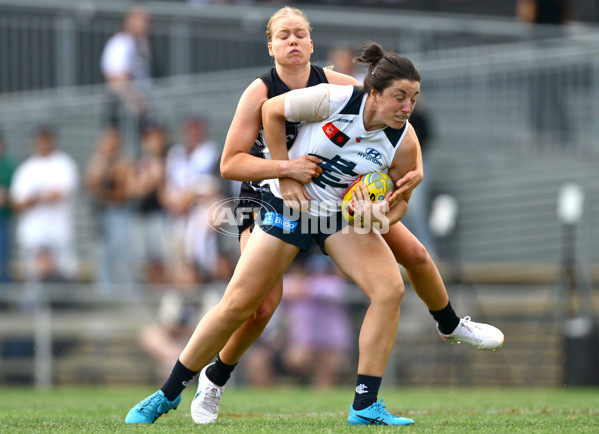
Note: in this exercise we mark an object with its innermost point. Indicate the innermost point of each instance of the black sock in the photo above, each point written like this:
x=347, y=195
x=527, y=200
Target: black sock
x=447, y=319
x=178, y=380
x=219, y=373
x=367, y=391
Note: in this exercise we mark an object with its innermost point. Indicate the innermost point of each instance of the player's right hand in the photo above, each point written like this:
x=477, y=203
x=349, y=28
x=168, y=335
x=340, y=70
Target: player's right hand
x=303, y=168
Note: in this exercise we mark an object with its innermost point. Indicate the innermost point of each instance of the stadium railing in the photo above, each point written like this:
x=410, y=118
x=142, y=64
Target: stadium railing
x=485, y=151
x=59, y=43
x=73, y=334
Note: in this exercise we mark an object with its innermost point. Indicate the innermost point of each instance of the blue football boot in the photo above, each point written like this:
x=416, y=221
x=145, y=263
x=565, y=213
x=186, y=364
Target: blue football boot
x=151, y=408
x=376, y=414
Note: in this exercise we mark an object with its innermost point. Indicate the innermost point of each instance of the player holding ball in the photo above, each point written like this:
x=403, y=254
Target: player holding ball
x=352, y=131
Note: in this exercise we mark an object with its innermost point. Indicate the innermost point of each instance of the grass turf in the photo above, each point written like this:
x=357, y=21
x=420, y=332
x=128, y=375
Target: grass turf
x=304, y=410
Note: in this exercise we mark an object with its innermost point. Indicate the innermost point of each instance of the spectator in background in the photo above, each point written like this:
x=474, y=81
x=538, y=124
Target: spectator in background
x=43, y=193
x=146, y=190
x=175, y=321
x=548, y=91
x=342, y=60
x=106, y=180
x=189, y=166
x=127, y=68
x=320, y=335
x=7, y=169
x=204, y=246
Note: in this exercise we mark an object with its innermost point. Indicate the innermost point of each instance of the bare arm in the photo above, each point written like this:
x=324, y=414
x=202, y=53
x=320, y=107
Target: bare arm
x=410, y=179
x=405, y=160
x=236, y=162
x=273, y=118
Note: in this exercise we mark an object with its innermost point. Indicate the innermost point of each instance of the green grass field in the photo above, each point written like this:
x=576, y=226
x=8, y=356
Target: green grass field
x=304, y=410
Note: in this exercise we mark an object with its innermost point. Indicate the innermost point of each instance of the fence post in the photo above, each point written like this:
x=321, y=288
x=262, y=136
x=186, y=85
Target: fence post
x=65, y=51
x=42, y=318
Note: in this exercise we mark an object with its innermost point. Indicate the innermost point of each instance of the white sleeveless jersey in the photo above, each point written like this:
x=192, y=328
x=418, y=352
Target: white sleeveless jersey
x=347, y=150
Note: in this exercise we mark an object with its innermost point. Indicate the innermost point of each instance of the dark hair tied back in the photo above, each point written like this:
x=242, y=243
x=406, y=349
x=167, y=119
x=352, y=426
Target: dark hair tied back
x=385, y=67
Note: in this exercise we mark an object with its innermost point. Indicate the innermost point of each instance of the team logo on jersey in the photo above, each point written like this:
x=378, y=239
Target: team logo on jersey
x=359, y=139
x=334, y=134
x=371, y=155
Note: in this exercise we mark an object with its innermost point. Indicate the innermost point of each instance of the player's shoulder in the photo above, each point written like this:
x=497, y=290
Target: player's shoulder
x=254, y=95
x=338, y=78
x=257, y=88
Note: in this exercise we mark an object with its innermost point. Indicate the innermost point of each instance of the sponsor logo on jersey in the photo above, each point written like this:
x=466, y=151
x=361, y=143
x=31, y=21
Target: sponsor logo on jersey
x=346, y=121
x=334, y=134
x=280, y=221
x=371, y=155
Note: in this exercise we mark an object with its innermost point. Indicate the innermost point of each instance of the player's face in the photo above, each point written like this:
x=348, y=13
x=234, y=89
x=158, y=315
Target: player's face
x=395, y=104
x=291, y=43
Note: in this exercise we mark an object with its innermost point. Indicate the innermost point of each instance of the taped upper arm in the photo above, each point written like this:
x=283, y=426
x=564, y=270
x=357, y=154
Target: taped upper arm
x=309, y=104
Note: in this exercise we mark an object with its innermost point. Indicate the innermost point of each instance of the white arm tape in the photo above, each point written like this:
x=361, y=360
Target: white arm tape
x=309, y=104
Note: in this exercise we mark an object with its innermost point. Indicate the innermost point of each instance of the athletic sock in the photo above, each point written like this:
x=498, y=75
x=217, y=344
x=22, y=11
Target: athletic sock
x=219, y=372
x=177, y=381
x=367, y=390
x=446, y=318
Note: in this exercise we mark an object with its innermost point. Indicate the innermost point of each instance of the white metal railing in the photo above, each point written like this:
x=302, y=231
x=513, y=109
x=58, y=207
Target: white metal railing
x=486, y=150
x=49, y=44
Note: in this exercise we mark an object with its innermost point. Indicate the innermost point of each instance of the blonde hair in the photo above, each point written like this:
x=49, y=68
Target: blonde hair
x=284, y=12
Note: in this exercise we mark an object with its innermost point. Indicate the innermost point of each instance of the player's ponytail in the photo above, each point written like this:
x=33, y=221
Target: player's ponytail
x=385, y=67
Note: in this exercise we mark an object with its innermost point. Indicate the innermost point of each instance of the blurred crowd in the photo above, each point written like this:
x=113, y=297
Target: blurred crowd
x=150, y=186
x=147, y=210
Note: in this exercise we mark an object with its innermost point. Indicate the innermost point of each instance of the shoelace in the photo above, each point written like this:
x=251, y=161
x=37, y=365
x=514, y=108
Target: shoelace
x=469, y=324
x=149, y=406
x=380, y=409
x=211, y=398
x=472, y=327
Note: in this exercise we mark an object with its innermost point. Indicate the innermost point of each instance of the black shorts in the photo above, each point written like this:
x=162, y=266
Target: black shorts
x=246, y=219
x=293, y=227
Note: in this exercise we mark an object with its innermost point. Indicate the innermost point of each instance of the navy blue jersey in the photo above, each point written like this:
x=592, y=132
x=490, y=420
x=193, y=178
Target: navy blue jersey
x=276, y=87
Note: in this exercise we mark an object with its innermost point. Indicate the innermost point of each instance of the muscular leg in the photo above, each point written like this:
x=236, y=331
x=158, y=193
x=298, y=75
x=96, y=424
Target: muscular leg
x=429, y=286
x=421, y=269
x=244, y=294
x=251, y=329
x=374, y=269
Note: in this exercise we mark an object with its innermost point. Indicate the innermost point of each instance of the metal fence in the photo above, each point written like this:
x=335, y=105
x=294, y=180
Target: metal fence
x=486, y=151
x=59, y=43
x=483, y=99
x=69, y=334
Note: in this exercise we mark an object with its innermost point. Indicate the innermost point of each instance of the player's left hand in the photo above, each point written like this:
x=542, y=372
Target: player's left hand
x=370, y=213
x=294, y=194
x=408, y=182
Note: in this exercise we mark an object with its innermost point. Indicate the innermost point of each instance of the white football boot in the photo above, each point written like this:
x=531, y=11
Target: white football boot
x=204, y=407
x=478, y=335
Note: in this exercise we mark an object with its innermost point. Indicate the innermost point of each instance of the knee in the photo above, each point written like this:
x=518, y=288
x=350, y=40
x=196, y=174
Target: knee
x=264, y=313
x=254, y=312
x=236, y=311
x=415, y=257
x=389, y=295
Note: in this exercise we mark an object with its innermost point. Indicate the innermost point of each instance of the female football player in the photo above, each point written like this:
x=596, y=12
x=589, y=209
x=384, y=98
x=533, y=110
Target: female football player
x=376, y=114
x=243, y=159
x=289, y=43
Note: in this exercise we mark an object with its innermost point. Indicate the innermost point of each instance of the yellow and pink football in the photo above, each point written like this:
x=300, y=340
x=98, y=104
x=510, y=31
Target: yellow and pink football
x=378, y=184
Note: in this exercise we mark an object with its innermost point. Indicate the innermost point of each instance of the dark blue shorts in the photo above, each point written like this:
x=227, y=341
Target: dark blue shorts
x=293, y=227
